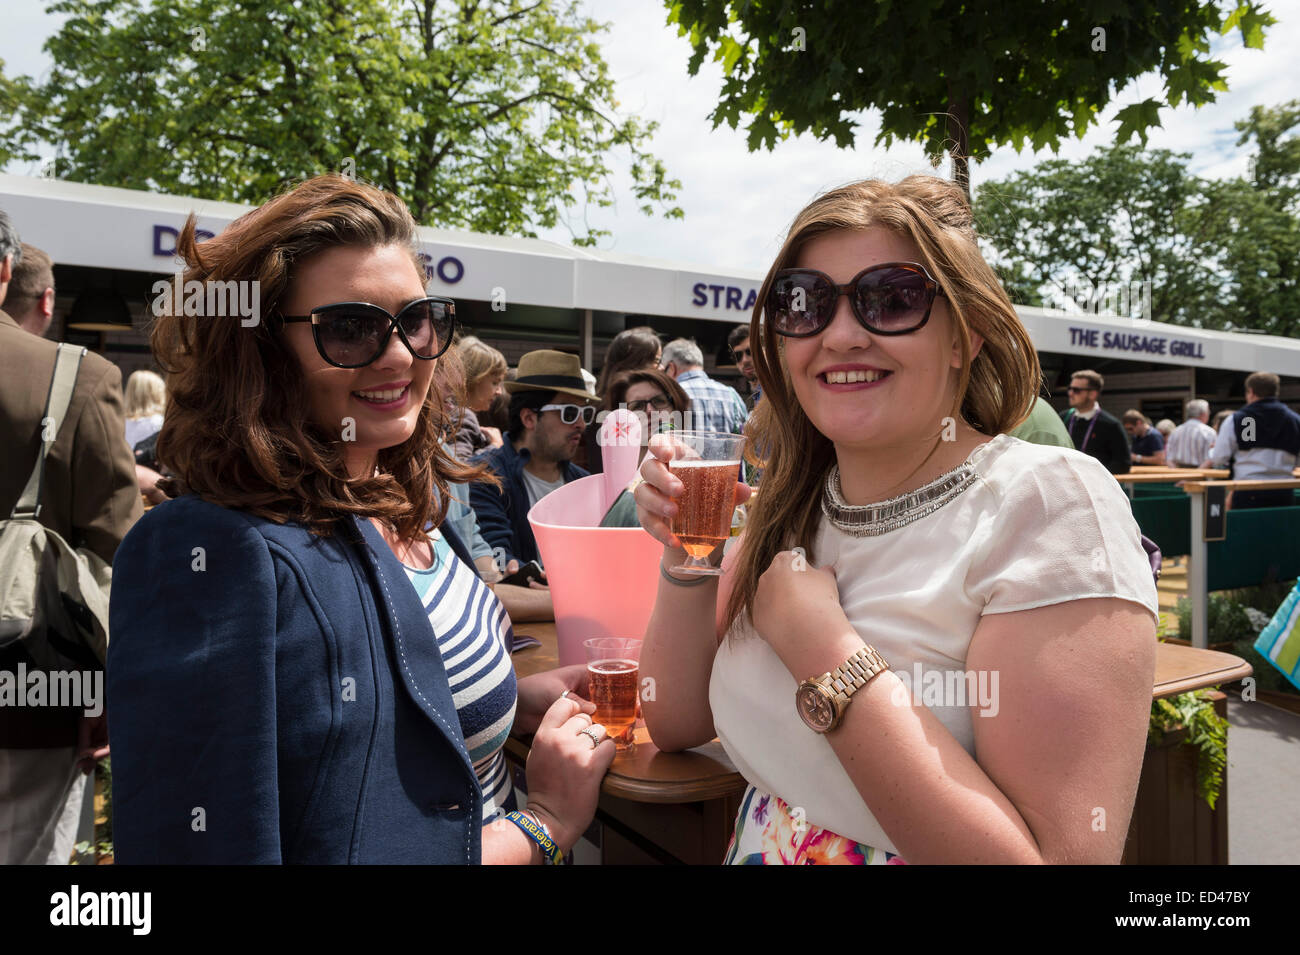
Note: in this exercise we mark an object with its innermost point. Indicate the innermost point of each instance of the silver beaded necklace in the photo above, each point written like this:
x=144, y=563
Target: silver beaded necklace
x=872, y=520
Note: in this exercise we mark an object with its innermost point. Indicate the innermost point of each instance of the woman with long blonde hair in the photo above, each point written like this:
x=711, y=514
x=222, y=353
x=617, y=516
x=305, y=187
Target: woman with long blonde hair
x=146, y=399
x=934, y=642
x=485, y=371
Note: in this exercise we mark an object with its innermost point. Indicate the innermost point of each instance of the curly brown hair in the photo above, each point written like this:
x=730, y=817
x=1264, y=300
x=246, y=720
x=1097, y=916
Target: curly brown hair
x=238, y=430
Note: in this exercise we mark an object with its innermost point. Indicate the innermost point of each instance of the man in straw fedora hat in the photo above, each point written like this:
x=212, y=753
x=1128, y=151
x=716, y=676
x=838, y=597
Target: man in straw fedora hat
x=549, y=408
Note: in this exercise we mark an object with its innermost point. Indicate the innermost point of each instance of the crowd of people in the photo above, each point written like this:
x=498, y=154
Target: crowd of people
x=1258, y=442
x=312, y=624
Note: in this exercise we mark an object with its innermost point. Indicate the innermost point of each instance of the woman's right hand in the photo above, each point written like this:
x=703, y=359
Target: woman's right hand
x=655, y=507
x=564, y=771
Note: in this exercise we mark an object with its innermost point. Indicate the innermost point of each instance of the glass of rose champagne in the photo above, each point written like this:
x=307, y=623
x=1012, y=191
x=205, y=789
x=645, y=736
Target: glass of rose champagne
x=613, y=667
x=708, y=465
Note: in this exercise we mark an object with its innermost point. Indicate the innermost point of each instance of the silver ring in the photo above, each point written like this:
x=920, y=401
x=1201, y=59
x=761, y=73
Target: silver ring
x=590, y=733
x=564, y=695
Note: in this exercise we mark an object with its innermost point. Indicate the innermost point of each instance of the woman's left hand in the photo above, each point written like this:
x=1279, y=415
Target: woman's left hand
x=493, y=435
x=537, y=692
x=795, y=601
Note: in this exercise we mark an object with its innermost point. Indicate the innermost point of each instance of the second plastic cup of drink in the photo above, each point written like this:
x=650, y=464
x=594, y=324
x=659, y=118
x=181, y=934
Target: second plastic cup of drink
x=613, y=668
x=708, y=465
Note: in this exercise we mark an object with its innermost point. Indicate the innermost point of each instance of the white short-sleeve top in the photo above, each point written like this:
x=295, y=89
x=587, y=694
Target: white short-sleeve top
x=1037, y=526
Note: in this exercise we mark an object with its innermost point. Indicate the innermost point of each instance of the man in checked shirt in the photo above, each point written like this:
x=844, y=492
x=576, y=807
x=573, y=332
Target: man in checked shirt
x=714, y=406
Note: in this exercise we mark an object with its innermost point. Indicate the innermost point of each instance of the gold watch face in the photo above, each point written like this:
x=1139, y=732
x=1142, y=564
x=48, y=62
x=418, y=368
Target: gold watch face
x=815, y=707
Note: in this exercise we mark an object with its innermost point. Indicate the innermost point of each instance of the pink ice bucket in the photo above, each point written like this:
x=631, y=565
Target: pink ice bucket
x=603, y=579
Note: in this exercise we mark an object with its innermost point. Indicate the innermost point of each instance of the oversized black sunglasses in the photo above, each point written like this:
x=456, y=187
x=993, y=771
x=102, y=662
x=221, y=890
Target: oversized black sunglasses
x=353, y=334
x=892, y=298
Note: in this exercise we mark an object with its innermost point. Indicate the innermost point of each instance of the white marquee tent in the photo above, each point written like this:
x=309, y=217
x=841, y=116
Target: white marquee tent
x=109, y=228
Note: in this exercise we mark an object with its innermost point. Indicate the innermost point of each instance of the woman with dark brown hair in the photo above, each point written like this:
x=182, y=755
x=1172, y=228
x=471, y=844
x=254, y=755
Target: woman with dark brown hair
x=652, y=395
x=933, y=642
x=633, y=349
x=304, y=666
x=662, y=403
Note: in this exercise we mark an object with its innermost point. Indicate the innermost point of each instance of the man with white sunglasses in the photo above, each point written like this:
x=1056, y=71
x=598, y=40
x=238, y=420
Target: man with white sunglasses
x=549, y=409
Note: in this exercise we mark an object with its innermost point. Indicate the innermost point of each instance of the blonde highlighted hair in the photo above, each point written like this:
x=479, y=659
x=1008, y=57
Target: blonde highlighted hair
x=146, y=395
x=995, y=388
x=479, y=360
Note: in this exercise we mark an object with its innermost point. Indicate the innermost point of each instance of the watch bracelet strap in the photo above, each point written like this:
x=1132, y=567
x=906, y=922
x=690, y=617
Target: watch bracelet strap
x=855, y=672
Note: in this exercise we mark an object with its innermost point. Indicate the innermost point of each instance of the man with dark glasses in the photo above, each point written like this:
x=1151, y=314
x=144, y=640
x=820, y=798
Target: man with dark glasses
x=549, y=409
x=1094, y=431
x=738, y=342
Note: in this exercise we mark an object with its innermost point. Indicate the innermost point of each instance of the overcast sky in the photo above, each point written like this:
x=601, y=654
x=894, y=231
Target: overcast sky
x=738, y=204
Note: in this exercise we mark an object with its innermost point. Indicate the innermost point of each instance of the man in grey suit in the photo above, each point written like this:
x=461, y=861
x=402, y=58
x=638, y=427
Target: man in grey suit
x=90, y=498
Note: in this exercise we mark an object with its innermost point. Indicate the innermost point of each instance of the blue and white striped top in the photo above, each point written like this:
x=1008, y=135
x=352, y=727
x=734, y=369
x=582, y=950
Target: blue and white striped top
x=474, y=636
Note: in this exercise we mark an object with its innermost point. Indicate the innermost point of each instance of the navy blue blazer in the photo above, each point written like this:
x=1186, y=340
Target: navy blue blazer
x=503, y=515
x=278, y=697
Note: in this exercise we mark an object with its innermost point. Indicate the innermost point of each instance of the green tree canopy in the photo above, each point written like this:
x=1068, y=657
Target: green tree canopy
x=958, y=77
x=495, y=115
x=1121, y=215
x=1256, y=221
x=1217, y=253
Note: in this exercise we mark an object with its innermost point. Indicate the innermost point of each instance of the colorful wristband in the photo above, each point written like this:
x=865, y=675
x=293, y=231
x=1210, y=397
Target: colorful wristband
x=551, y=853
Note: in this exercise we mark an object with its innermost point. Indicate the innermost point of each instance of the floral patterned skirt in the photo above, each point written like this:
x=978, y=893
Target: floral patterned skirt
x=770, y=832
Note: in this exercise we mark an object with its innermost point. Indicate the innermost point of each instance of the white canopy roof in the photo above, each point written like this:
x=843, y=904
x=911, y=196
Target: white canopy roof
x=105, y=227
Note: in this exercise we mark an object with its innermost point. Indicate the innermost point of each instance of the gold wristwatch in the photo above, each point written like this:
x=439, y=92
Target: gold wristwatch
x=822, y=701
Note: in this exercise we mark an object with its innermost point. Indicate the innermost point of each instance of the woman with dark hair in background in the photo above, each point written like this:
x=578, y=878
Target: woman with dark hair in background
x=652, y=394
x=304, y=666
x=633, y=349
x=630, y=350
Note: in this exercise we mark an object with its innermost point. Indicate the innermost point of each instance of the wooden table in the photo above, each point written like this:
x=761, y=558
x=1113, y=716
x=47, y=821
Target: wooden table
x=1169, y=475
x=1151, y=474
x=680, y=807
x=654, y=806
x=1180, y=669
x=1170, y=469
